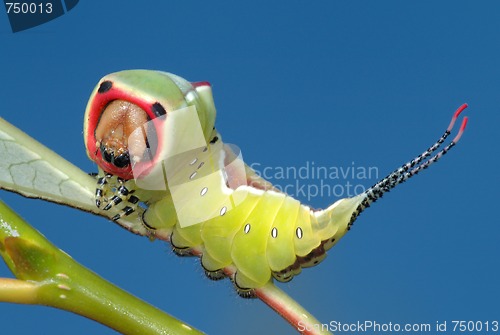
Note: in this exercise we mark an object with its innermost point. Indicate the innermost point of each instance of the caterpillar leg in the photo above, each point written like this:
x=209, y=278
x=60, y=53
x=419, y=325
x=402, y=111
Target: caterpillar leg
x=213, y=275
x=231, y=272
x=112, y=191
x=246, y=293
x=101, y=188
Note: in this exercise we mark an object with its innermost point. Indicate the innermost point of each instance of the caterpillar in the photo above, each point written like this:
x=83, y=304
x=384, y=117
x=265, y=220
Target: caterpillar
x=153, y=138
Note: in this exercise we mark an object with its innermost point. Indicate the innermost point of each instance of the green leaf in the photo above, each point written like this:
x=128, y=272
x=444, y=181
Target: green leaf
x=29, y=168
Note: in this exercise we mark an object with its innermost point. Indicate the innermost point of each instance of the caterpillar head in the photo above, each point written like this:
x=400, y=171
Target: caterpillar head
x=130, y=110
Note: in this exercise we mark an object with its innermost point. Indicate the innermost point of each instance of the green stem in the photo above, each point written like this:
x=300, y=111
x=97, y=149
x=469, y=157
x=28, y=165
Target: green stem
x=298, y=317
x=48, y=276
x=18, y=291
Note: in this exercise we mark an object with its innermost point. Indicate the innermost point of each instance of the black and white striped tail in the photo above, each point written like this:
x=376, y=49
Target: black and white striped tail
x=413, y=167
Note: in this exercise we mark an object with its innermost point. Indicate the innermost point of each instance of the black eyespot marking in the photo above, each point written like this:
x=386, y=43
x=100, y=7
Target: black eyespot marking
x=122, y=160
x=158, y=109
x=105, y=86
x=108, y=156
x=213, y=140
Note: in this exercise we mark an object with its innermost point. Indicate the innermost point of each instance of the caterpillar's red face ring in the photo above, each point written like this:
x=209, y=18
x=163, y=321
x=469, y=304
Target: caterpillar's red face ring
x=113, y=117
x=129, y=123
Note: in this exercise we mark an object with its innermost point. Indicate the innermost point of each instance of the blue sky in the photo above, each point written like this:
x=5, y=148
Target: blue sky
x=359, y=83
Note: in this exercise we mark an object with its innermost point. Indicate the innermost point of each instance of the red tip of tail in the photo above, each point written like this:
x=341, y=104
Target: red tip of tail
x=460, y=110
x=464, y=124
x=455, y=116
x=461, y=131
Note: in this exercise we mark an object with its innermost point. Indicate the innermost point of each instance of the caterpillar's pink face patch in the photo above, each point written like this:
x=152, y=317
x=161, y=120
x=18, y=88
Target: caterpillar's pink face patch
x=111, y=139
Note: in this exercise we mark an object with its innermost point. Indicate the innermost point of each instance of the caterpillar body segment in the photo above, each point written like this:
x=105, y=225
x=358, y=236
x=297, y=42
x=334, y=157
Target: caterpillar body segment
x=152, y=135
x=267, y=234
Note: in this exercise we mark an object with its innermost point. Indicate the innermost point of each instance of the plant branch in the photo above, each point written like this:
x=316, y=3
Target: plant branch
x=48, y=276
x=298, y=317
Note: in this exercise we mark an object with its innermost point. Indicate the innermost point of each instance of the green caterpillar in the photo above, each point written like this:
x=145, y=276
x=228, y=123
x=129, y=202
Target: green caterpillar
x=152, y=135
